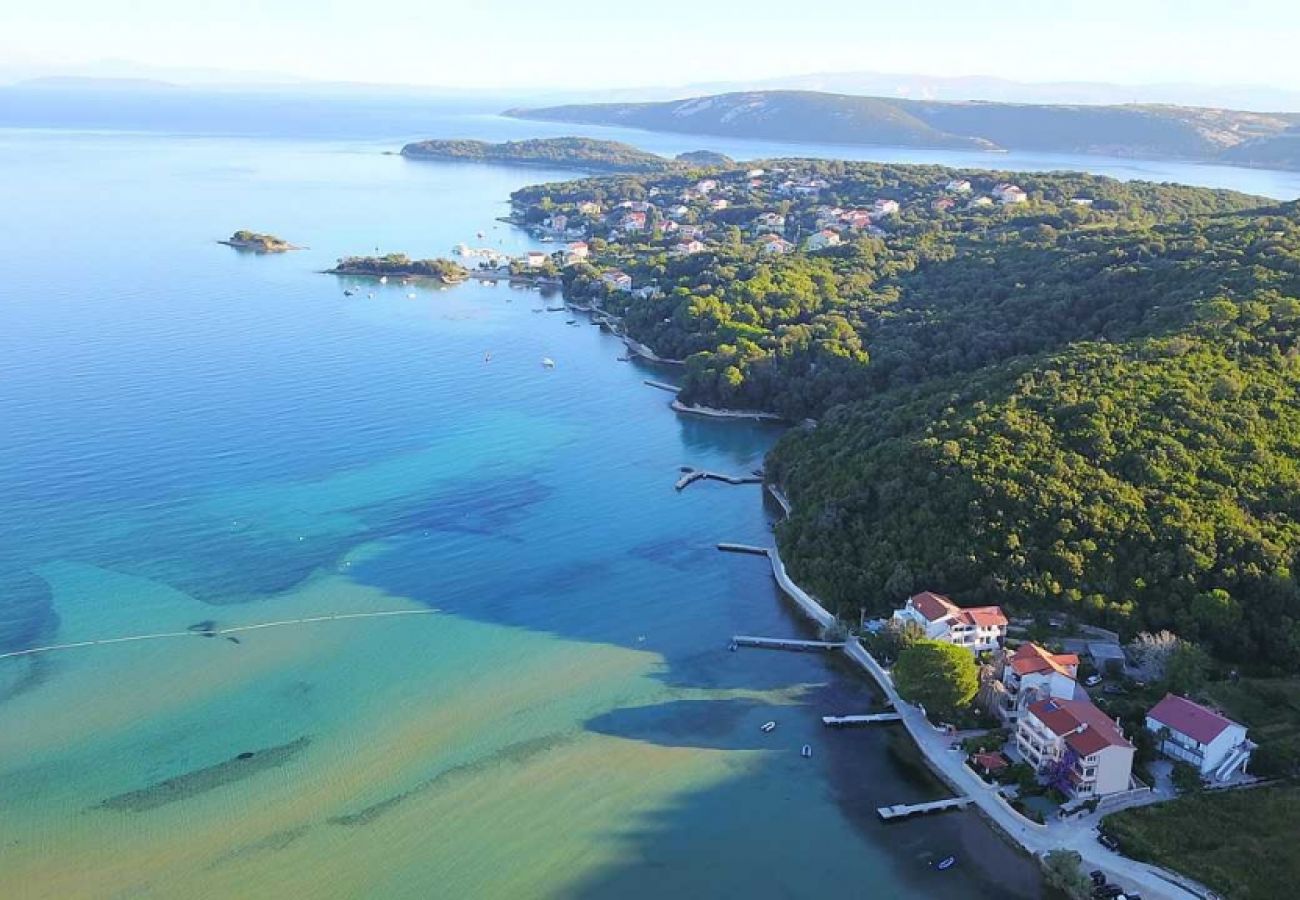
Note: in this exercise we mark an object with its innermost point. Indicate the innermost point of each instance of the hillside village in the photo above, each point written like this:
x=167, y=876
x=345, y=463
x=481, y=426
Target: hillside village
x=772, y=208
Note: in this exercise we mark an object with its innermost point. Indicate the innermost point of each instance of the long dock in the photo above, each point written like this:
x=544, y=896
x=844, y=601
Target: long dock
x=903, y=810
x=662, y=385
x=695, y=475
x=748, y=640
x=844, y=721
x=743, y=548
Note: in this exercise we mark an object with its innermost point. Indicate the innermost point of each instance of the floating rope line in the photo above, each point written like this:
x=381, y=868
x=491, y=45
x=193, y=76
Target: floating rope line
x=216, y=632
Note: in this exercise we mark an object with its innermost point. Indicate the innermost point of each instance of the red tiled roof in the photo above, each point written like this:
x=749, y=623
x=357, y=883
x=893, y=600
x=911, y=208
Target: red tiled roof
x=933, y=606
x=1030, y=658
x=983, y=616
x=990, y=762
x=1191, y=719
x=1065, y=718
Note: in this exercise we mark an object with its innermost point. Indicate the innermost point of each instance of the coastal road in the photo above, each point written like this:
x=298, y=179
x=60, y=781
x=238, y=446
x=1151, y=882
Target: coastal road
x=1133, y=876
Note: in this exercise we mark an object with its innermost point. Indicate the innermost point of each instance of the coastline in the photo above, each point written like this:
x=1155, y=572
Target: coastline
x=1031, y=837
x=710, y=412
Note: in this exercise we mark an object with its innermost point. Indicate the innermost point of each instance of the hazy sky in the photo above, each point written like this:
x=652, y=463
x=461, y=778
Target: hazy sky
x=518, y=43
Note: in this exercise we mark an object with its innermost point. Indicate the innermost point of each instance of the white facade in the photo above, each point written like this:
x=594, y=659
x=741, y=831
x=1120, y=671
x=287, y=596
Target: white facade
x=1190, y=733
x=976, y=628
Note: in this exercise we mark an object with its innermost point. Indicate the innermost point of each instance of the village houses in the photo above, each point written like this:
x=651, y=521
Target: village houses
x=884, y=208
x=1031, y=674
x=1076, y=746
x=535, y=259
x=958, y=186
x=768, y=221
x=617, y=280
x=976, y=628
x=820, y=240
x=576, y=252
x=775, y=244
x=1007, y=194
x=685, y=248
x=1191, y=733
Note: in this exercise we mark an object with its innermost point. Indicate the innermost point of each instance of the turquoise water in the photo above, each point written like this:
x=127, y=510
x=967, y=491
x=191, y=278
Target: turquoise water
x=193, y=435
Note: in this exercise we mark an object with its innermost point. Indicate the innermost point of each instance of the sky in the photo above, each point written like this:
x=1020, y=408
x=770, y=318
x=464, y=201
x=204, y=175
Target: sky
x=594, y=45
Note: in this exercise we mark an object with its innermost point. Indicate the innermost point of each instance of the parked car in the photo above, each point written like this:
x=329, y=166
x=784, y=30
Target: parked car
x=1098, y=877
x=1108, y=842
x=1093, y=680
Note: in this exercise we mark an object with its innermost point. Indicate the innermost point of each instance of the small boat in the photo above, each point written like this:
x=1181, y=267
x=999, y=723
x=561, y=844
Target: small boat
x=371, y=295
x=548, y=363
x=480, y=235
x=411, y=295
x=383, y=279
x=806, y=752
x=349, y=292
x=946, y=863
x=768, y=727
x=487, y=357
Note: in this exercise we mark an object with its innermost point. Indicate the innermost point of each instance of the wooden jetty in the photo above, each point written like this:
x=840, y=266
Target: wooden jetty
x=844, y=721
x=749, y=640
x=903, y=810
x=743, y=548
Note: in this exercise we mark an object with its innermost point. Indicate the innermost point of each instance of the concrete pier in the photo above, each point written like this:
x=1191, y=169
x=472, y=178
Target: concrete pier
x=695, y=475
x=845, y=721
x=903, y=810
x=747, y=640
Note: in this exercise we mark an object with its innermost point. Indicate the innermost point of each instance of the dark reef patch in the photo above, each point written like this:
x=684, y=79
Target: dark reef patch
x=200, y=781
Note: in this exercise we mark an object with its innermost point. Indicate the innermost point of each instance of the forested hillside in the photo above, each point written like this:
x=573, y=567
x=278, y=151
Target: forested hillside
x=1088, y=399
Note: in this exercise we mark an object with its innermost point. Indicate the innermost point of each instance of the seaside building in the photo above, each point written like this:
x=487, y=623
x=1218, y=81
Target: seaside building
x=535, y=259
x=618, y=280
x=976, y=628
x=1075, y=747
x=1031, y=674
x=576, y=252
x=1191, y=733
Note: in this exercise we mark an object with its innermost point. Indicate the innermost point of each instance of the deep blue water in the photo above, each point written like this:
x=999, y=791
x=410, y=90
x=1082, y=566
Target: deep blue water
x=193, y=434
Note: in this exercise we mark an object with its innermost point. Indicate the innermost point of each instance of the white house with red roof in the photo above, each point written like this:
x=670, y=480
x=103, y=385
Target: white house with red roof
x=1008, y=194
x=1076, y=746
x=775, y=244
x=1195, y=734
x=820, y=240
x=576, y=252
x=1031, y=674
x=618, y=280
x=976, y=628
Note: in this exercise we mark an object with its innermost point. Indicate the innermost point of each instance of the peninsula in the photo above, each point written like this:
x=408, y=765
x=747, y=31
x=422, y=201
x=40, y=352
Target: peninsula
x=257, y=242
x=561, y=152
x=1267, y=140
x=399, y=265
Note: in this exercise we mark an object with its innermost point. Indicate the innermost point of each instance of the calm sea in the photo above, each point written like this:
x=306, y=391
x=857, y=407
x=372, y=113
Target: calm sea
x=192, y=436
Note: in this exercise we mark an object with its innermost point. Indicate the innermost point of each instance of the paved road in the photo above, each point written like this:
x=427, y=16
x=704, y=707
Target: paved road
x=1077, y=835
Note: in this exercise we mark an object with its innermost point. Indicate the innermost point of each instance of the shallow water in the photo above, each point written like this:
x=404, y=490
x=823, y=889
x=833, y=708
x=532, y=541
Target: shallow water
x=198, y=437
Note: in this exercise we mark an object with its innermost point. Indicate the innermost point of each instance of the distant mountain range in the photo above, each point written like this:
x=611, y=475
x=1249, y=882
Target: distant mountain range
x=1202, y=134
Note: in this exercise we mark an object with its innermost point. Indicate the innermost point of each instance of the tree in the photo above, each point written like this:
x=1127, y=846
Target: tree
x=940, y=676
x=1186, y=778
x=1063, y=870
x=1185, y=668
x=896, y=637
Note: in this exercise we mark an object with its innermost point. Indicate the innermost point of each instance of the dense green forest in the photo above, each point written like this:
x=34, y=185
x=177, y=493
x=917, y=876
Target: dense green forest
x=564, y=152
x=1053, y=404
x=401, y=265
x=1182, y=132
x=1126, y=443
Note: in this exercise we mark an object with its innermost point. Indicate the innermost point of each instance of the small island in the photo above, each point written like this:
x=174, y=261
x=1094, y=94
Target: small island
x=399, y=265
x=257, y=242
x=562, y=153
